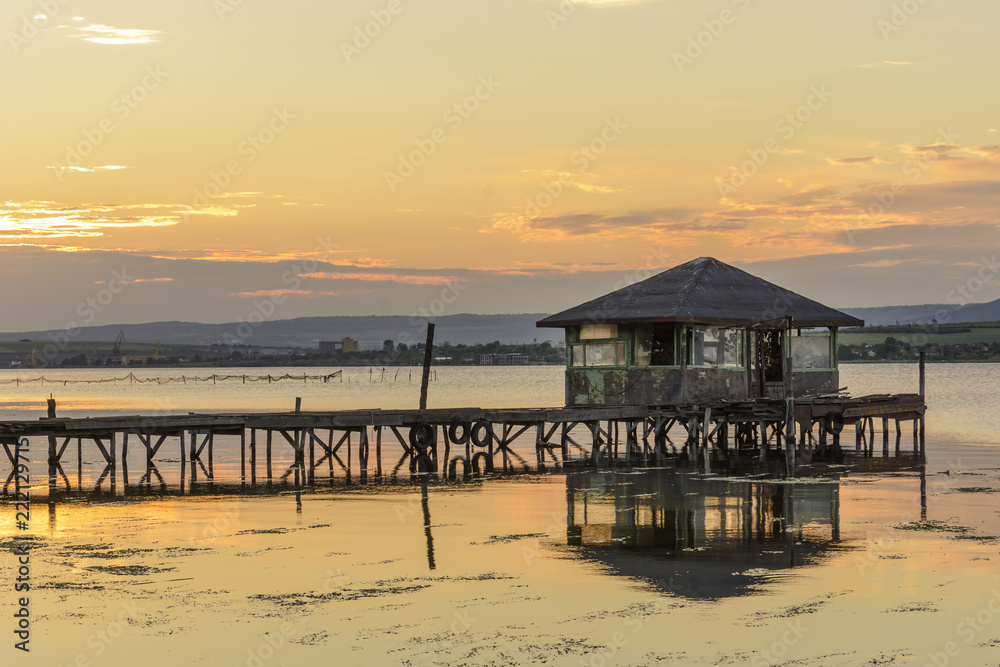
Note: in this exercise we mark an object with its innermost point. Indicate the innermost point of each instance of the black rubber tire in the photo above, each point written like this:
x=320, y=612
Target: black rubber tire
x=482, y=440
x=421, y=436
x=455, y=427
x=833, y=422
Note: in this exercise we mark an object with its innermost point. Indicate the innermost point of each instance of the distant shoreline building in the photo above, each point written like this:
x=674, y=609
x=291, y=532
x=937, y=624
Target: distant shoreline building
x=331, y=347
x=503, y=359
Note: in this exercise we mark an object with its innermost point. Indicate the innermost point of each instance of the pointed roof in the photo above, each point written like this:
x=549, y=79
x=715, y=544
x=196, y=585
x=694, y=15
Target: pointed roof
x=705, y=291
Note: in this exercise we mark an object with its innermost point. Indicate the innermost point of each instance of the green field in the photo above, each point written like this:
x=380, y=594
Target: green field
x=945, y=334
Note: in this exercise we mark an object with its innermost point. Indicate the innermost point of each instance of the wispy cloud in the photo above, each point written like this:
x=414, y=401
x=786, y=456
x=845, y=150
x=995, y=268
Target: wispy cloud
x=44, y=219
x=382, y=277
x=99, y=33
x=867, y=159
x=90, y=170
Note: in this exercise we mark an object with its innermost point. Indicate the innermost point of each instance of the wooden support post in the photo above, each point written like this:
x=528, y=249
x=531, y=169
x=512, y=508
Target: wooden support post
x=113, y=464
x=425, y=378
x=378, y=451
x=923, y=375
x=564, y=442
x=308, y=433
x=363, y=454
x=885, y=436
x=270, y=433
x=763, y=440
x=706, y=430
x=253, y=456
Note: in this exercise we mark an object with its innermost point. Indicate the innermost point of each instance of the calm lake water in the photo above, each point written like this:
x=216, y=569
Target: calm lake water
x=963, y=399
x=643, y=567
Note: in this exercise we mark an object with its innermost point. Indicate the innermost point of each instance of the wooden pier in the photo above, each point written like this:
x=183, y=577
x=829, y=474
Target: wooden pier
x=468, y=442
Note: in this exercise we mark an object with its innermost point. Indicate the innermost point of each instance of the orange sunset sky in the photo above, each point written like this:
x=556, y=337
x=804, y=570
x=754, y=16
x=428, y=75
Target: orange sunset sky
x=360, y=157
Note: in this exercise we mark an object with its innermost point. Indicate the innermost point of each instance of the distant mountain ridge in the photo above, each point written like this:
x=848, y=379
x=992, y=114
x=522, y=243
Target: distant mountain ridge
x=925, y=313
x=306, y=332
x=464, y=328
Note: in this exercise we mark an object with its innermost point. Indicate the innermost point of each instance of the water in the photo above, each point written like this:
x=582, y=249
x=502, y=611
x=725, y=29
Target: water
x=596, y=568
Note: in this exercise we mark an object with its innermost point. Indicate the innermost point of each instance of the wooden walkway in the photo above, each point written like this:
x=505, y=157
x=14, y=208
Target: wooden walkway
x=466, y=442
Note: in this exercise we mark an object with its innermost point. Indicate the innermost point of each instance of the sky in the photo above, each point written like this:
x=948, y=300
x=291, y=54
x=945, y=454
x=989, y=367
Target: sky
x=225, y=160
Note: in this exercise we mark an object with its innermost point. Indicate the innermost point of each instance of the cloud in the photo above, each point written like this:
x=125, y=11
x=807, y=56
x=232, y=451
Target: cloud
x=851, y=160
x=85, y=170
x=679, y=223
x=991, y=152
x=98, y=33
x=48, y=220
x=381, y=277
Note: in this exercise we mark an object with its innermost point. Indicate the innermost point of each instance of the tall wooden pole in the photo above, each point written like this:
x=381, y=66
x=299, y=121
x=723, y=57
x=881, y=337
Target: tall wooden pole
x=428, y=347
x=923, y=375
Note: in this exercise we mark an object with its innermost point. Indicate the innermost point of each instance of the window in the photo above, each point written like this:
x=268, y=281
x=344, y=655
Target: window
x=654, y=345
x=598, y=346
x=811, y=351
x=715, y=347
x=598, y=331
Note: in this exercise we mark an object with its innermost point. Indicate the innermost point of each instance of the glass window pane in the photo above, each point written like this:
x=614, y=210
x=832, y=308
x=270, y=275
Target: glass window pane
x=602, y=354
x=576, y=357
x=598, y=331
x=811, y=351
x=643, y=344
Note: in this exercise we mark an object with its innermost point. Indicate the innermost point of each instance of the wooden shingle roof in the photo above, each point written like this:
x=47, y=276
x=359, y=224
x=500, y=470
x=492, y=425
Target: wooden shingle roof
x=704, y=291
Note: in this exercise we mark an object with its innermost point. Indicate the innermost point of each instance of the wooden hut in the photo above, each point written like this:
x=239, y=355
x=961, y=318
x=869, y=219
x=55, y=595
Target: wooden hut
x=698, y=333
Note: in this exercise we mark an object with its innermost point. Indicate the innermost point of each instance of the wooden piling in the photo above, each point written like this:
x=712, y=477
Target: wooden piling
x=425, y=378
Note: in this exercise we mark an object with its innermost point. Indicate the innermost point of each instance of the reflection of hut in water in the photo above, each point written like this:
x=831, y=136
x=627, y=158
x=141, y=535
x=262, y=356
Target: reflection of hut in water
x=700, y=332
x=697, y=537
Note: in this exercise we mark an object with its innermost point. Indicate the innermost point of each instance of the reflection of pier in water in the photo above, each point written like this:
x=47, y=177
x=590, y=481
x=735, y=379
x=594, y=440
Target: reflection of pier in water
x=700, y=537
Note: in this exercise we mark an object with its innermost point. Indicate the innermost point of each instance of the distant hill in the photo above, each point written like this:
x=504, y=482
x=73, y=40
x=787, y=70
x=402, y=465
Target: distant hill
x=306, y=332
x=468, y=329
x=974, y=312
